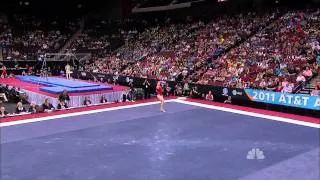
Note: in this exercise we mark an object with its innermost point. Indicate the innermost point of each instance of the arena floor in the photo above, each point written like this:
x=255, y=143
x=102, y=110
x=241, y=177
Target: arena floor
x=136, y=142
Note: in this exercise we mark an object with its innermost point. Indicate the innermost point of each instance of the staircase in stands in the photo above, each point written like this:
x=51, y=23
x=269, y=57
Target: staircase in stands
x=73, y=38
x=310, y=86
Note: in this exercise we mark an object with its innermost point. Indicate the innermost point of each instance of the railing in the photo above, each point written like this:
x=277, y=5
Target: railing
x=298, y=88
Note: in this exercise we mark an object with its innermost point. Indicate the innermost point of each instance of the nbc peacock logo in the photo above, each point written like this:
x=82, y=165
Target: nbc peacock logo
x=255, y=154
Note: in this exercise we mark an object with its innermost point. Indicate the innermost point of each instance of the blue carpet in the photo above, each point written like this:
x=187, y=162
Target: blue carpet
x=56, y=81
x=57, y=85
x=140, y=143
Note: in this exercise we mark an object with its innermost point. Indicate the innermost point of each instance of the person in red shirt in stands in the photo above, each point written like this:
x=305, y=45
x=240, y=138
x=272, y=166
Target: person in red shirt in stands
x=159, y=91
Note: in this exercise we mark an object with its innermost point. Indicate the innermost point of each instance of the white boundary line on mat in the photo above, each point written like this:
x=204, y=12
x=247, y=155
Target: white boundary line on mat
x=179, y=100
x=274, y=118
x=11, y=123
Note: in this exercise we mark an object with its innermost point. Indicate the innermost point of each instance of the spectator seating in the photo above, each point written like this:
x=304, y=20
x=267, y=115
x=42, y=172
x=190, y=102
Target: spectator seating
x=244, y=50
x=26, y=37
x=283, y=50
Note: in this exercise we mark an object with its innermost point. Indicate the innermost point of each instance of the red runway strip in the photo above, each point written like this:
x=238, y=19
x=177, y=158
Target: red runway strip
x=259, y=111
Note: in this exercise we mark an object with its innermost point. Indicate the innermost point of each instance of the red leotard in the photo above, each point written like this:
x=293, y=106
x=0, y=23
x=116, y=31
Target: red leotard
x=159, y=90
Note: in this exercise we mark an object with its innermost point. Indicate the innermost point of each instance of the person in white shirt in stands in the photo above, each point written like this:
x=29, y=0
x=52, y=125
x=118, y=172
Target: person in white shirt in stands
x=301, y=79
x=284, y=82
x=68, y=71
x=287, y=88
x=263, y=84
x=307, y=72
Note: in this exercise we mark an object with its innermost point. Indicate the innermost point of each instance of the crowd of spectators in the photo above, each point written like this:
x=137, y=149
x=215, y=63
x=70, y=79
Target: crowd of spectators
x=195, y=43
x=106, y=41
x=280, y=57
x=273, y=51
x=101, y=37
x=28, y=38
x=176, y=51
x=139, y=42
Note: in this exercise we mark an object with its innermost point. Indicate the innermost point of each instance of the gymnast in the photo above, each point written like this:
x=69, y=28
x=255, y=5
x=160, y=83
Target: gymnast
x=159, y=91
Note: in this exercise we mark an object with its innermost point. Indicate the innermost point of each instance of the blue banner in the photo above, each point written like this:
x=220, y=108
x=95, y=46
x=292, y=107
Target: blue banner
x=292, y=100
